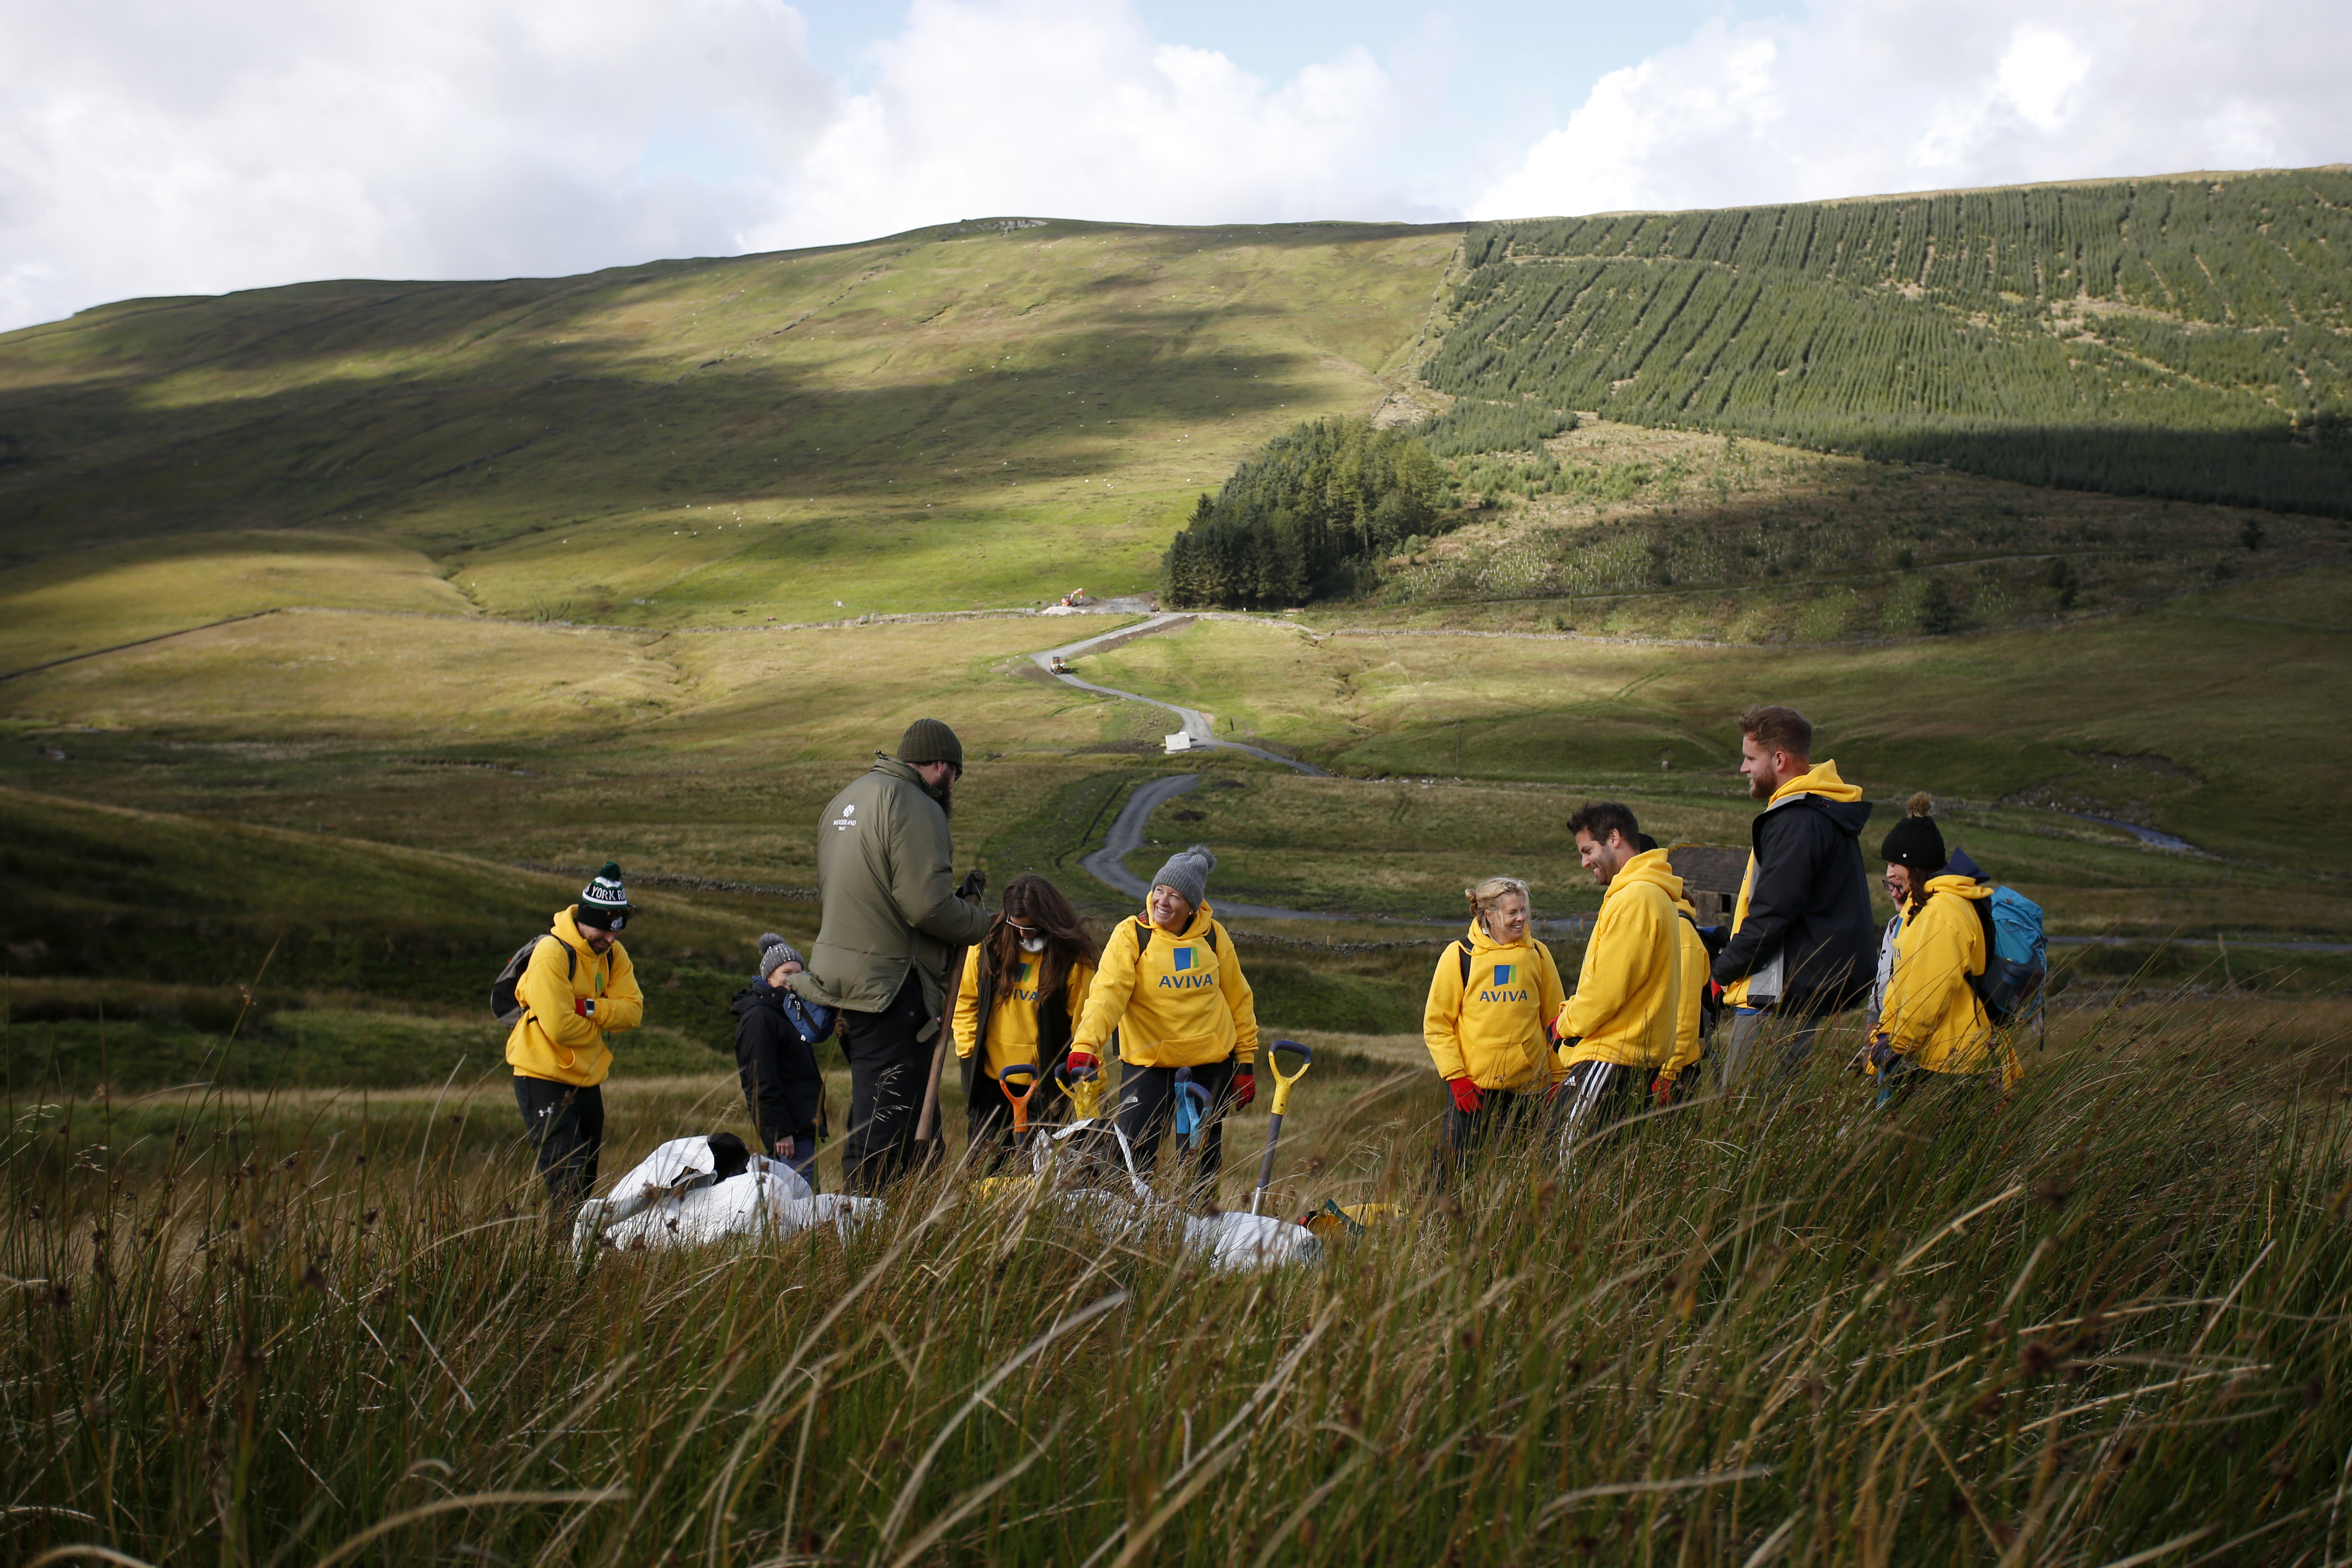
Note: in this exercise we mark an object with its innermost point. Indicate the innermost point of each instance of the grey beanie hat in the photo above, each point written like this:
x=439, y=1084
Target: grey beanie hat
x=1187, y=871
x=774, y=950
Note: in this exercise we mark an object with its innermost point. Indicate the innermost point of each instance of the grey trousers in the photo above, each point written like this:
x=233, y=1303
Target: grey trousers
x=1751, y=1033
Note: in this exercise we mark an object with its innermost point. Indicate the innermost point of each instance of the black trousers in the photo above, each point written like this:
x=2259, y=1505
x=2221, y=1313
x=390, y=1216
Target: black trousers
x=1500, y=1114
x=566, y=1128
x=889, y=1070
x=1595, y=1097
x=1146, y=1108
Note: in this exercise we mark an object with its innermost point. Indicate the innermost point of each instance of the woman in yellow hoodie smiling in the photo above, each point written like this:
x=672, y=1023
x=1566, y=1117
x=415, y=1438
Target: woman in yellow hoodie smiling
x=1492, y=994
x=1172, y=986
x=1931, y=1019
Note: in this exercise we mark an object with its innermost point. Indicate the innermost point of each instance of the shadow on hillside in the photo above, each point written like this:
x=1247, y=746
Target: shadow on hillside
x=501, y=423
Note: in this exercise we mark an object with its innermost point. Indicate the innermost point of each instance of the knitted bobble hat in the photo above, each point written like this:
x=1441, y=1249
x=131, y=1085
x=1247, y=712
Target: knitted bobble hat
x=1915, y=841
x=1187, y=871
x=929, y=740
x=775, y=952
x=604, y=902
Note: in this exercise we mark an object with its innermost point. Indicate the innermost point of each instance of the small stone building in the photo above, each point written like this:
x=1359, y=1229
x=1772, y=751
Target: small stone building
x=1711, y=875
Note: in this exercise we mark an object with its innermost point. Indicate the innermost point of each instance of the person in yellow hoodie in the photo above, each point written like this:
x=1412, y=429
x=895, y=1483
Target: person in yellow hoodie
x=1485, y=1021
x=1621, y=1034
x=1931, y=1019
x=1803, y=943
x=1024, y=988
x=577, y=988
x=1172, y=986
x=1691, y=1034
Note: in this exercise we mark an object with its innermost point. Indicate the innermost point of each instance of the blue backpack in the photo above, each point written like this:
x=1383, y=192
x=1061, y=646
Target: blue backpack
x=2016, y=957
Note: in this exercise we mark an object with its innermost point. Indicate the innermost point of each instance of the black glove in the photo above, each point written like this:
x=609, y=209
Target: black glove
x=975, y=883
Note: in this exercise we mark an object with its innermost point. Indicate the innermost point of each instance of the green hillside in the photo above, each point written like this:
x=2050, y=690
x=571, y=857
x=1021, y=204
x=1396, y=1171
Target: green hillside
x=2182, y=337
x=922, y=422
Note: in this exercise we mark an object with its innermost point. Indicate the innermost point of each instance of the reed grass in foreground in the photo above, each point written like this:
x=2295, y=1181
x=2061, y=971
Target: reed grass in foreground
x=2107, y=1323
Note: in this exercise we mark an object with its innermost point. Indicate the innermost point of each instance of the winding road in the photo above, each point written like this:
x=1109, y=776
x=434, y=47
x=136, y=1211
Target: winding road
x=1195, y=722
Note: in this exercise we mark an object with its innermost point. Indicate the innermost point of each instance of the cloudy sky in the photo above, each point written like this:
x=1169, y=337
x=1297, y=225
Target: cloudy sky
x=156, y=147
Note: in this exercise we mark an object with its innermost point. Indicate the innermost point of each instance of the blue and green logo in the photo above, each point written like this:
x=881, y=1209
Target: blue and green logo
x=1183, y=958
x=1502, y=974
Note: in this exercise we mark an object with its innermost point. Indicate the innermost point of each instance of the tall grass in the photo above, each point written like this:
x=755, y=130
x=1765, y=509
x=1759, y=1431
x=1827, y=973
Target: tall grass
x=2106, y=1323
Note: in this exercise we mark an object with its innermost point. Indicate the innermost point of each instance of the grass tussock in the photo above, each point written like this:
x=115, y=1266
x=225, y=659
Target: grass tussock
x=2107, y=1322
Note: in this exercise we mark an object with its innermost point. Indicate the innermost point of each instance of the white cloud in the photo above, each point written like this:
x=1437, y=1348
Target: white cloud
x=1857, y=97
x=151, y=147
x=1072, y=108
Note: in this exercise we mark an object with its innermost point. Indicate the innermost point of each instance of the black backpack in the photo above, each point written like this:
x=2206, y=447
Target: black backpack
x=505, y=1006
x=1143, y=941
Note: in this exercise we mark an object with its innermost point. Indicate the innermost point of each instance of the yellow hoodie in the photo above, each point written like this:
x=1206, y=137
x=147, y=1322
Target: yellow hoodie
x=1628, y=1007
x=1184, y=1005
x=1931, y=1013
x=1822, y=780
x=550, y=1040
x=1491, y=1028
x=1698, y=967
x=1013, y=1013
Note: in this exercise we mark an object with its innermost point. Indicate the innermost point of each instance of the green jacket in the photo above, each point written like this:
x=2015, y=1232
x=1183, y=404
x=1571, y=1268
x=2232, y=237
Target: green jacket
x=885, y=870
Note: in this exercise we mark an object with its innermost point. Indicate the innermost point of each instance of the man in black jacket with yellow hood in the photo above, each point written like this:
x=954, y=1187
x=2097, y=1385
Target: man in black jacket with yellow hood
x=1802, y=943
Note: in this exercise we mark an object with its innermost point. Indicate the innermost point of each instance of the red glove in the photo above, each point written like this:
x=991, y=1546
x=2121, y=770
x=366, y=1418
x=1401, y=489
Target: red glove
x=1245, y=1087
x=583, y=1007
x=1465, y=1094
x=1078, y=1064
x=1662, y=1090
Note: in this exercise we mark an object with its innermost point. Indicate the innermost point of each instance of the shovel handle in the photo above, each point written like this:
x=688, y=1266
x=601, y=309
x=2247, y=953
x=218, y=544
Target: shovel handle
x=1020, y=1101
x=1283, y=1081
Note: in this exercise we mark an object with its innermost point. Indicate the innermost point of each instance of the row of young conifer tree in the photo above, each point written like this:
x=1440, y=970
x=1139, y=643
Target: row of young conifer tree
x=2177, y=338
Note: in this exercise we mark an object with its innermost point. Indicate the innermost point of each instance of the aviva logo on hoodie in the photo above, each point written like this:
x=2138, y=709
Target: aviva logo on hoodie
x=1188, y=977
x=1024, y=984
x=1500, y=990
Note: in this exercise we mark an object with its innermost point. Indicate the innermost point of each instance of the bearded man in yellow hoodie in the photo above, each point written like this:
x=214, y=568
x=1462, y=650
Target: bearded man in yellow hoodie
x=1620, y=1033
x=1802, y=944
x=577, y=988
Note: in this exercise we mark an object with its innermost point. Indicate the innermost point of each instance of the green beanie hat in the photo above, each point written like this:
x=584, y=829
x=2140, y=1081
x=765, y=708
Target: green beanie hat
x=929, y=741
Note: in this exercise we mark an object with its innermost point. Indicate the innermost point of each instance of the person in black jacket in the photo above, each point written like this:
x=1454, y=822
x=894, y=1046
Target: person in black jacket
x=776, y=1034
x=1803, y=943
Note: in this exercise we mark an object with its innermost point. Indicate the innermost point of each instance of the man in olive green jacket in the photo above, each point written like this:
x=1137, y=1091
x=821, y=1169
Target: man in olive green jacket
x=884, y=869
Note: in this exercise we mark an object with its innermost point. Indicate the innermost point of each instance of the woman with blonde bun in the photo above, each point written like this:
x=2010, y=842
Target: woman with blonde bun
x=1493, y=994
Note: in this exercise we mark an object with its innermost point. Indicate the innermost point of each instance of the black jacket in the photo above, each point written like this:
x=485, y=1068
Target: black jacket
x=775, y=1039
x=1810, y=906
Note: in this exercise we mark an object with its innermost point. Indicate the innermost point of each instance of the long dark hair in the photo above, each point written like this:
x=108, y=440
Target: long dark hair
x=1037, y=903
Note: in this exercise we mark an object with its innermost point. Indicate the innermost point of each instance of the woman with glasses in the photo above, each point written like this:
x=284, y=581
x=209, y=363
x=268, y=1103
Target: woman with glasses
x=1024, y=986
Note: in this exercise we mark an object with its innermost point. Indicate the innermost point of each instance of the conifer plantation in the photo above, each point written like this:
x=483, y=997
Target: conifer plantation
x=2181, y=338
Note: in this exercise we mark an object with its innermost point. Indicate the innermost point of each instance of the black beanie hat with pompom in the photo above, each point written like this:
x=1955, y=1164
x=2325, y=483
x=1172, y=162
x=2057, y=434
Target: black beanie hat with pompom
x=1915, y=841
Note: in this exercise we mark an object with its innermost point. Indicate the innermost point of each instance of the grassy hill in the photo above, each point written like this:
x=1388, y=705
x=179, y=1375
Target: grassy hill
x=2183, y=337
x=922, y=422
